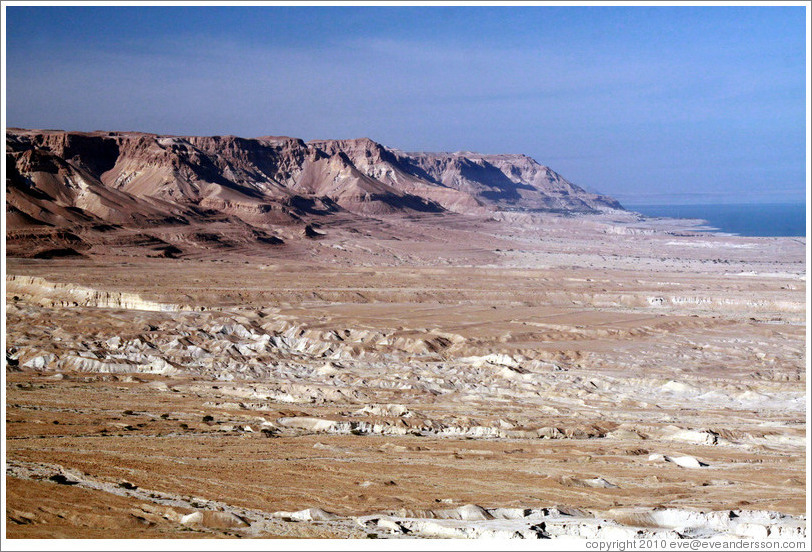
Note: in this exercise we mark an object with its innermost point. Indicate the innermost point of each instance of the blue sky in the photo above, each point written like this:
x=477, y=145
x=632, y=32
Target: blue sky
x=650, y=104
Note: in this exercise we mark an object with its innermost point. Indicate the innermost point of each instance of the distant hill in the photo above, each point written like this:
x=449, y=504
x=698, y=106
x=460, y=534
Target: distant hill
x=64, y=186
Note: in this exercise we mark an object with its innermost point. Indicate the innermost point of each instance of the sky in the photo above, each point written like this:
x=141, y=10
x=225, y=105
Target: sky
x=648, y=104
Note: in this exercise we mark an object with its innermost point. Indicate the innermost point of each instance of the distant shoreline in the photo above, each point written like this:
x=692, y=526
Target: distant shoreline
x=742, y=219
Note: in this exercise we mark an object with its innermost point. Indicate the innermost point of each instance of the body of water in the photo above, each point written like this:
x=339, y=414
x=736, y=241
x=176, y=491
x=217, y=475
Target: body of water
x=751, y=219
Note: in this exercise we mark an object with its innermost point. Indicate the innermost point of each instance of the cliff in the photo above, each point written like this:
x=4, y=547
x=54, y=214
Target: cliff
x=62, y=184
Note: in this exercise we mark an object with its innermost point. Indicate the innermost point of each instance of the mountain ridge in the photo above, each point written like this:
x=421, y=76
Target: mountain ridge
x=82, y=181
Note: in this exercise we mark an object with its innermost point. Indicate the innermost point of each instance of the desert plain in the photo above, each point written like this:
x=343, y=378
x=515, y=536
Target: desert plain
x=522, y=376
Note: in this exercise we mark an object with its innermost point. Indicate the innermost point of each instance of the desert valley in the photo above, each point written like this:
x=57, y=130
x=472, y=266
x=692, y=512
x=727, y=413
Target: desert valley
x=273, y=338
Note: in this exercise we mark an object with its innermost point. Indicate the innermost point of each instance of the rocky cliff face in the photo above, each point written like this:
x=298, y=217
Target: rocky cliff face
x=508, y=182
x=74, y=181
x=466, y=182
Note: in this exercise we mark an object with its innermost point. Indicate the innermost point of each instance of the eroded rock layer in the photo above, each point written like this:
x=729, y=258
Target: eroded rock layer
x=574, y=377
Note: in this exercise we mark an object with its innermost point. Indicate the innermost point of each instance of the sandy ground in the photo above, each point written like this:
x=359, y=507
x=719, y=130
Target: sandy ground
x=513, y=378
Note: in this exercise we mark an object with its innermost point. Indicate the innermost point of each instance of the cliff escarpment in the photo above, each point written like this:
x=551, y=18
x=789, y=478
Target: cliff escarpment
x=64, y=186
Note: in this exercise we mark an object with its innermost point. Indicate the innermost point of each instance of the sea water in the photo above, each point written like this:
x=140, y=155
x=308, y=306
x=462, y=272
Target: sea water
x=751, y=219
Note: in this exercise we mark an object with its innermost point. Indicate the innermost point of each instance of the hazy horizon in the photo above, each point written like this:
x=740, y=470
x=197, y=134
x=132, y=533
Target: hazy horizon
x=640, y=102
